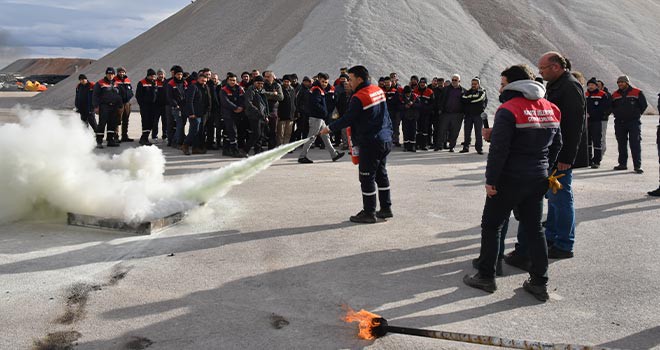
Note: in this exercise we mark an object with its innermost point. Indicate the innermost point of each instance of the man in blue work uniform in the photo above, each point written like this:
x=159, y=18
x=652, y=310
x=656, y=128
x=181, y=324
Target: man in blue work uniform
x=598, y=107
x=371, y=129
x=628, y=105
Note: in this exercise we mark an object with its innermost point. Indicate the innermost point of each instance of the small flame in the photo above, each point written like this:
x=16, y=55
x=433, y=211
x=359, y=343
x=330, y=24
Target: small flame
x=367, y=322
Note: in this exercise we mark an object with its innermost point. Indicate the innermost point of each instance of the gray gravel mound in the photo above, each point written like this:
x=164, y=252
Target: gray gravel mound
x=603, y=38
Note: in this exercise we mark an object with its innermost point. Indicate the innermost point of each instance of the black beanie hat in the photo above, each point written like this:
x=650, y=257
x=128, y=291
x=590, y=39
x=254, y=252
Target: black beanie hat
x=422, y=80
x=306, y=78
x=593, y=81
x=110, y=70
x=258, y=78
x=150, y=72
x=407, y=89
x=82, y=76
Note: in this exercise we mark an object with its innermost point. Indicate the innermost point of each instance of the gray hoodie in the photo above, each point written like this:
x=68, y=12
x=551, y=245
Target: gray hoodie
x=532, y=90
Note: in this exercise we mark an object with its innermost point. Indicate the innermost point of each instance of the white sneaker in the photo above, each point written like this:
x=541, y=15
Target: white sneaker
x=155, y=140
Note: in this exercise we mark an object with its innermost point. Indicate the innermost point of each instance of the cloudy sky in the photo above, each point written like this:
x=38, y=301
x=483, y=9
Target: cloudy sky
x=75, y=28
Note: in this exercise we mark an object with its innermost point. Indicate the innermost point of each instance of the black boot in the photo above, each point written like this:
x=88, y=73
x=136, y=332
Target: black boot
x=125, y=138
x=363, y=218
x=384, y=213
x=516, y=259
x=480, y=282
x=540, y=292
x=144, y=140
x=499, y=271
x=112, y=143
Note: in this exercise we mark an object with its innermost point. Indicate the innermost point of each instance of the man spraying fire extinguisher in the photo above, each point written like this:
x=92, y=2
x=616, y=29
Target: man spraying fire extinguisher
x=371, y=133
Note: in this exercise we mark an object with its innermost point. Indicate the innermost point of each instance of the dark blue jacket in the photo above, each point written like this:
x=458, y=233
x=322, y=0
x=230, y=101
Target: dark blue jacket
x=125, y=89
x=316, y=102
x=628, y=104
x=106, y=92
x=526, y=137
x=84, y=94
x=146, y=93
x=176, y=93
x=330, y=101
x=231, y=98
x=256, y=104
x=367, y=116
x=198, y=101
x=409, y=106
x=392, y=95
x=302, y=98
x=599, y=105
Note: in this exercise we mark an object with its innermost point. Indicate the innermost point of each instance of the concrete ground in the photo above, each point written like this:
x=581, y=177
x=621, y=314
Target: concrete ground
x=270, y=265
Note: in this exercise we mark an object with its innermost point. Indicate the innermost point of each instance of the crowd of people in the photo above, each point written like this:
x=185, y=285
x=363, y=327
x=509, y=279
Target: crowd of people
x=259, y=111
x=199, y=111
x=537, y=130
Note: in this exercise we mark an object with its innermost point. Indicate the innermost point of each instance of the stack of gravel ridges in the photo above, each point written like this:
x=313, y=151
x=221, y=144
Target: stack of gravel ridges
x=408, y=37
x=222, y=35
x=604, y=38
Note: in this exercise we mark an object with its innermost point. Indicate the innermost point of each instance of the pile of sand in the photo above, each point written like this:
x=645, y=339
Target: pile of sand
x=604, y=38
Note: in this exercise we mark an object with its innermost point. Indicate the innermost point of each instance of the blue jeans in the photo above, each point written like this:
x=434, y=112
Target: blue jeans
x=560, y=226
x=192, y=139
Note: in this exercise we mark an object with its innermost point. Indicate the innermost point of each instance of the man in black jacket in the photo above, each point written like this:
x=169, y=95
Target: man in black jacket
x=84, y=105
x=176, y=99
x=302, y=123
x=451, y=118
x=256, y=111
x=566, y=92
x=214, y=124
x=525, y=141
x=126, y=93
x=286, y=112
x=146, y=95
x=273, y=92
x=475, y=102
x=197, y=109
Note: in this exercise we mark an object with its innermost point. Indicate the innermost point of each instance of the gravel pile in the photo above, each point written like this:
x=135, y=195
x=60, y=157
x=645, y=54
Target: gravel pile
x=604, y=38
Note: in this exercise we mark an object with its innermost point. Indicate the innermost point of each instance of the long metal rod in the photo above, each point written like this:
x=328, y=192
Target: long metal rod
x=488, y=340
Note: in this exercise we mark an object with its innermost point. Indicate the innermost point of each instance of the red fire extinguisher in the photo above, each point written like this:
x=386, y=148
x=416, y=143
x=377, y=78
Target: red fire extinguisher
x=355, y=150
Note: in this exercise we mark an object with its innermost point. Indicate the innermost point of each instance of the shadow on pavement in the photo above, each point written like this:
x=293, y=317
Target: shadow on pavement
x=310, y=296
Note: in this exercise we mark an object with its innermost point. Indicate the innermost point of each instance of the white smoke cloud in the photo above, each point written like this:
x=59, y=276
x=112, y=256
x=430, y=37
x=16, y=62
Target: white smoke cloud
x=47, y=158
